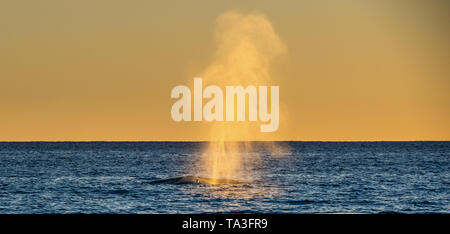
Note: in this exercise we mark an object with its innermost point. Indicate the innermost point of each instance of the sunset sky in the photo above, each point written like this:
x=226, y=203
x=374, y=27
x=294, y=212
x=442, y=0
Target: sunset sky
x=104, y=70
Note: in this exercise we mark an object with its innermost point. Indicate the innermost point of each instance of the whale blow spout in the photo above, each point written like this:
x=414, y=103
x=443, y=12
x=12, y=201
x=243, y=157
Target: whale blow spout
x=196, y=180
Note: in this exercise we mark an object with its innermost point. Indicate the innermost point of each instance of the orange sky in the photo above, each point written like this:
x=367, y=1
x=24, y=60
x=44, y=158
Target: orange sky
x=103, y=70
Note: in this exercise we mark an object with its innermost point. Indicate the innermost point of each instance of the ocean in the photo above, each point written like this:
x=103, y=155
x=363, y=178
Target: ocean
x=153, y=177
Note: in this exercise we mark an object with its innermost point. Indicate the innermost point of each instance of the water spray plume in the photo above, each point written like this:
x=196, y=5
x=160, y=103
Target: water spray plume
x=246, y=44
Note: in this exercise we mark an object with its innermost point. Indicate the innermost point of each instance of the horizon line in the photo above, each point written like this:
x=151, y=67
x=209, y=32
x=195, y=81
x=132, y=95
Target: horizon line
x=205, y=141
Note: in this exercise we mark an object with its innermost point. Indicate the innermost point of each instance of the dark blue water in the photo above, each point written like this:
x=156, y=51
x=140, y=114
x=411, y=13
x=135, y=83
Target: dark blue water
x=312, y=177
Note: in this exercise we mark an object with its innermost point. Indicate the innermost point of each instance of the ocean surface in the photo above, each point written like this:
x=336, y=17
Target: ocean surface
x=144, y=177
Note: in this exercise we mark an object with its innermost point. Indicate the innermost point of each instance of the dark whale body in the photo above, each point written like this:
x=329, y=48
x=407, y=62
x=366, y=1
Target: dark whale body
x=195, y=180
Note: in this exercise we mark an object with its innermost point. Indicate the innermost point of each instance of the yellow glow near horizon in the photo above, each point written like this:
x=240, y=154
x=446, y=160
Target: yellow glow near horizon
x=103, y=70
